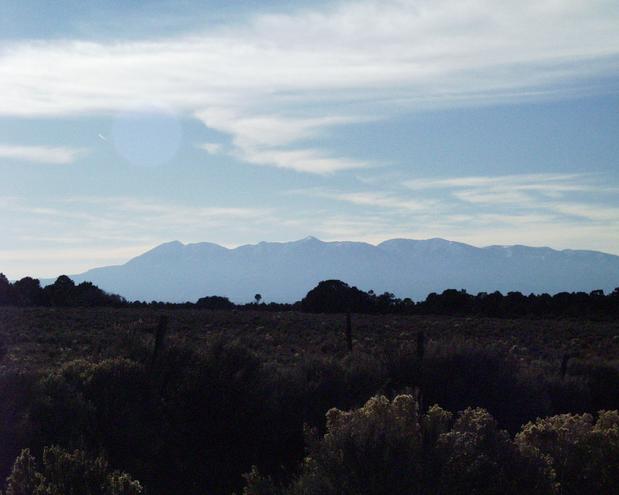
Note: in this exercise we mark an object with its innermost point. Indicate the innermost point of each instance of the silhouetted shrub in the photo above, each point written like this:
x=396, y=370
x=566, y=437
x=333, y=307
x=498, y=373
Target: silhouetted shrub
x=108, y=406
x=570, y=394
x=603, y=381
x=27, y=292
x=335, y=296
x=324, y=383
x=461, y=378
x=194, y=422
x=5, y=290
x=16, y=393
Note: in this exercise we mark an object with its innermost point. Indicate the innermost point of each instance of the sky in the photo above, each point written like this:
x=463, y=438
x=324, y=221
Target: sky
x=127, y=124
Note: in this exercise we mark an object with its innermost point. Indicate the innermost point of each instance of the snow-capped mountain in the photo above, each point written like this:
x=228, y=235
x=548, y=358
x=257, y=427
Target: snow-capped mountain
x=285, y=271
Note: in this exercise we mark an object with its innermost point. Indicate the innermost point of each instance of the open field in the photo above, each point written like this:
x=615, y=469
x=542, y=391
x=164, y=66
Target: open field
x=36, y=338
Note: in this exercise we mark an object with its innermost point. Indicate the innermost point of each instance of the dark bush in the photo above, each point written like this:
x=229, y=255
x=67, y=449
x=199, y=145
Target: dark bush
x=214, y=302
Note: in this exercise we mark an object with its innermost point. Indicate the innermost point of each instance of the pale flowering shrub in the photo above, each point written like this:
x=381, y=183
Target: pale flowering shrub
x=584, y=453
x=389, y=447
x=375, y=449
x=67, y=473
x=476, y=457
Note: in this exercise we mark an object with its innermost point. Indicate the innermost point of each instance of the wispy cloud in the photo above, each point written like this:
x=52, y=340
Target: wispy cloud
x=301, y=160
x=273, y=140
x=53, y=155
x=372, y=199
x=265, y=81
x=104, y=219
x=519, y=189
x=65, y=230
x=211, y=148
x=520, y=181
x=560, y=210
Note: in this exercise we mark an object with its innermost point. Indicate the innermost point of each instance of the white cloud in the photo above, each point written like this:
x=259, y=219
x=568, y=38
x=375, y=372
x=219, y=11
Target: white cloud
x=269, y=130
x=301, y=160
x=211, y=148
x=40, y=154
x=266, y=140
x=372, y=58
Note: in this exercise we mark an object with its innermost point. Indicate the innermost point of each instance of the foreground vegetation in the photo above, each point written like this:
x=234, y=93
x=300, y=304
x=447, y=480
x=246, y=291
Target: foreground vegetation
x=243, y=401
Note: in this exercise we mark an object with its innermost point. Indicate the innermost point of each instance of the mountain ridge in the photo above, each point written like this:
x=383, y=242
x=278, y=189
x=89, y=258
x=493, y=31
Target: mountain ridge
x=285, y=271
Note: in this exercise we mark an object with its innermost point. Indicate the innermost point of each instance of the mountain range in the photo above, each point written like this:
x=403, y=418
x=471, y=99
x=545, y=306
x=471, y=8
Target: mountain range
x=285, y=271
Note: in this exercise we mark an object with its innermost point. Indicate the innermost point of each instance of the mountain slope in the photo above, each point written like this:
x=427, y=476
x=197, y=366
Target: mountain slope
x=284, y=272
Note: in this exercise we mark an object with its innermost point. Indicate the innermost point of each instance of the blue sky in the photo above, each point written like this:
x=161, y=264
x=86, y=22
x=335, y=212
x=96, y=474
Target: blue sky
x=128, y=124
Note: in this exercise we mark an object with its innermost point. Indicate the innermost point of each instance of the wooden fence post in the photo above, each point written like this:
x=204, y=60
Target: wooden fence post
x=348, y=331
x=160, y=335
x=421, y=345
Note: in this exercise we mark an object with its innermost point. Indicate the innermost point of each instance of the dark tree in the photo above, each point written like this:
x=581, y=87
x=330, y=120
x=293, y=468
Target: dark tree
x=335, y=296
x=28, y=292
x=215, y=302
x=5, y=289
x=62, y=292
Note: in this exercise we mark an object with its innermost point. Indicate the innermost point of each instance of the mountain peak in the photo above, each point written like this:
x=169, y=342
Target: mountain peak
x=308, y=239
x=166, y=247
x=286, y=271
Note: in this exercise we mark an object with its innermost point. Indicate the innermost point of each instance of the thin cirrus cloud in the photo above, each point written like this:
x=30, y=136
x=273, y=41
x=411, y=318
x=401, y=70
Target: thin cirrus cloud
x=566, y=196
x=372, y=199
x=121, y=218
x=437, y=195
x=559, y=209
x=54, y=155
x=372, y=58
x=67, y=229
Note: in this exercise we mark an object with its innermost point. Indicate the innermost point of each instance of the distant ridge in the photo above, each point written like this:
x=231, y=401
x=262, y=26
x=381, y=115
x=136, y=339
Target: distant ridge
x=285, y=271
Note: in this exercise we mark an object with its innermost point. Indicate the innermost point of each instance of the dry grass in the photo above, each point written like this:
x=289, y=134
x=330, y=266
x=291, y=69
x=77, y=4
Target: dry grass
x=38, y=338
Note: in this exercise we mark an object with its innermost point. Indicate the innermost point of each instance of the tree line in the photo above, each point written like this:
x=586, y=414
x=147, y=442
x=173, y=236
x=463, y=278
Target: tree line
x=335, y=296
x=63, y=292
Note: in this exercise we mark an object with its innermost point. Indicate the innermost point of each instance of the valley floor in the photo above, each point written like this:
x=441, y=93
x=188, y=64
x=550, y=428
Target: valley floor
x=39, y=338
